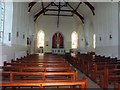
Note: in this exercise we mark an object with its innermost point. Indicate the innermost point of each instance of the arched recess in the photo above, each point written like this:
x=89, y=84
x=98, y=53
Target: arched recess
x=40, y=39
x=74, y=40
x=57, y=40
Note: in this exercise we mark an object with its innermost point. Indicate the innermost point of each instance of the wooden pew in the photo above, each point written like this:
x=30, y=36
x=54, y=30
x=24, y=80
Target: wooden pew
x=41, y=76
x=35, y=61
x=98, y=69
x=117, y=86
x=41, y=59
x=42, y=69
x=81, y=83
x=50, y=76
x=37, y=64
x=110, y=76
x=95, y=67
x=90, y=64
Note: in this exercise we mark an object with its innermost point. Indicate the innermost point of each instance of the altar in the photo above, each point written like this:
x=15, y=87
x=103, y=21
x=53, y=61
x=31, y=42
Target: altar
x=58, y=51
x=58, y=43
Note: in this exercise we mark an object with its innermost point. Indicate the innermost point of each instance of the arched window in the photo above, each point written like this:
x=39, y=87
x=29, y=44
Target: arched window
x=74, y=38
x=40, y=39
x=94, y=41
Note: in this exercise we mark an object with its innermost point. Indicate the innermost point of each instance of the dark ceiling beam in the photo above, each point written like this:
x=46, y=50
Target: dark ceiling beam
x=91, y=7
x=78, y=6
x=42, y=11
x=54, y=5
x=60, y=10
x=64, y=5
x=74, y=11
x=57, y=15
x=31, y=5
x=42, y=5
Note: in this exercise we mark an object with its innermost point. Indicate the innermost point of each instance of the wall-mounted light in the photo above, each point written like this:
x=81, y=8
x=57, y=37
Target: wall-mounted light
x=1, y=34
x=17, y=34
x=82, y=39
x=86, y=43
x=110, y=36
x=9, y=36
x=100, y=38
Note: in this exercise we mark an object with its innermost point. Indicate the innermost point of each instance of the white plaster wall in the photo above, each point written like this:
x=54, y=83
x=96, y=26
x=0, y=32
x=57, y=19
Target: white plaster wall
x=0, y=43
x=8, y=22
x=23, y=23
x=119, y=30
x=106, y=23
x=66, y=26
x=88, y=35
x=0, y=16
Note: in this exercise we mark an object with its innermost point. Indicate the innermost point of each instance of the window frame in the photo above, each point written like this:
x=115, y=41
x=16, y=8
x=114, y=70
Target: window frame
x=94, y=41
x=38, y=37
x=74, y=34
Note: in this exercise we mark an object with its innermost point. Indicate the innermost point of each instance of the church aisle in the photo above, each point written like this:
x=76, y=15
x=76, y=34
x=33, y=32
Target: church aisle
x=91, y=84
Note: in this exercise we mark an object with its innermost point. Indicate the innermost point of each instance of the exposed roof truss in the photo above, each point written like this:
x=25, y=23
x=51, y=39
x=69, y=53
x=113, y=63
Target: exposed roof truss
x=59, y=9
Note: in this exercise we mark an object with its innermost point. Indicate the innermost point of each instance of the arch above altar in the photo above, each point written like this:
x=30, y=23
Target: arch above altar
x=57, y=40
x=58, y=43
